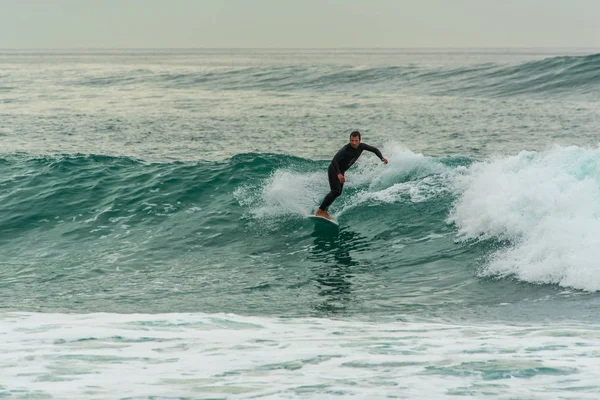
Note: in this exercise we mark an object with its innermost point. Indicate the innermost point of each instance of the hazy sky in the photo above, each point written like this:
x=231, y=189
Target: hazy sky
x=298, y=23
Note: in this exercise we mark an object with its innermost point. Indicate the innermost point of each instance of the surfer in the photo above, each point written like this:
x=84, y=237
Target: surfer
x=343, y=160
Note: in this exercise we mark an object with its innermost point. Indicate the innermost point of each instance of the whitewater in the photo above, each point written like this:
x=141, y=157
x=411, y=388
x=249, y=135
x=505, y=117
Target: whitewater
x=155, y=243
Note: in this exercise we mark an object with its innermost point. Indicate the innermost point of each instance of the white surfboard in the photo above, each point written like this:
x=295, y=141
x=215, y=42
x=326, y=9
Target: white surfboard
x=323, y=219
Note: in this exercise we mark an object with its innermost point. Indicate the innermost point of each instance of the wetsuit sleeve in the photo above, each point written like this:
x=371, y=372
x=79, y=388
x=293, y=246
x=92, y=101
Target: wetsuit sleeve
x=372, y=150
x=336, y=160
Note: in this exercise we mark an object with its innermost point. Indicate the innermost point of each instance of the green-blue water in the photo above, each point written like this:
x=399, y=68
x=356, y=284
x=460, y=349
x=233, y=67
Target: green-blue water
x=180, y=181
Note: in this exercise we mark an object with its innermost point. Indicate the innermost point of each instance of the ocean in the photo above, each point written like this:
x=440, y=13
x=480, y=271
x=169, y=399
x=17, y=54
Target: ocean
x=154, y=241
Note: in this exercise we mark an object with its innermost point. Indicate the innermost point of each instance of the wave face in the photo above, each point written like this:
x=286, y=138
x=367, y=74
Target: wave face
x=423, y=235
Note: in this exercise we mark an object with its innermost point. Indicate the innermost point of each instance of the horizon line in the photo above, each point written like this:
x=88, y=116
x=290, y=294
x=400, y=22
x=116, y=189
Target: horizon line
x=314, y=48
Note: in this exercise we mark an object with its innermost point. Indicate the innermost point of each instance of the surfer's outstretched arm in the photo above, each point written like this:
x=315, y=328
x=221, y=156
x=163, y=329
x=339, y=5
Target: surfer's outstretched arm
x=374, y=150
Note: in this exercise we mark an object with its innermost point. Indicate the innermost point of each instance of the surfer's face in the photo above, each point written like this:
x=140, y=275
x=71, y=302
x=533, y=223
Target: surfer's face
x=354, y=141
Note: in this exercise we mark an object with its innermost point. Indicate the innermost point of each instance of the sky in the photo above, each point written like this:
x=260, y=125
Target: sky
x=52, y=24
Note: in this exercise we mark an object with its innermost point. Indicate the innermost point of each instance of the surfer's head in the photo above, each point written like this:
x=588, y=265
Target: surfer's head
x=355, y=139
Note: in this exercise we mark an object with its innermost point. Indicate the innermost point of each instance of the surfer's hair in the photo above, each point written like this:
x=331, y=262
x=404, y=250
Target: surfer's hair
x=355, y=134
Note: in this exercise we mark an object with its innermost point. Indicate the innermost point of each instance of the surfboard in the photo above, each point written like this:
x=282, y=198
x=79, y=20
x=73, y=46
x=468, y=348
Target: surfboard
x=323, y=219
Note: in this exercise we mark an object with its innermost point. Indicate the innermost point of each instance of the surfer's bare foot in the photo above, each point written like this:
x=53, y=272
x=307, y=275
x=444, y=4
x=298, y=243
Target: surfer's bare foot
x=321, y=213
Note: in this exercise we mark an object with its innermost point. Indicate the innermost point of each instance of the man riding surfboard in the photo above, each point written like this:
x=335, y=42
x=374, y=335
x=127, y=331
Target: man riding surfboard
x=343, y=160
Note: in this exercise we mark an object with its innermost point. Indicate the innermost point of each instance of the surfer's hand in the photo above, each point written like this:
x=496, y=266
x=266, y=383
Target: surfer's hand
x=384, y=160
x=341, y=178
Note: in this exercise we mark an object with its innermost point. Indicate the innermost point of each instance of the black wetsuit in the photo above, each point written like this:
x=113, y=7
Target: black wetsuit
x=339, y=165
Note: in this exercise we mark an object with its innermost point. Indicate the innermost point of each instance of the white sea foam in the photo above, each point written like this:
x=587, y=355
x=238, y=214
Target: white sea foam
x=408, y=177
x=289, y=193
x=113, y=356
x=286, y=193
x=546, y=204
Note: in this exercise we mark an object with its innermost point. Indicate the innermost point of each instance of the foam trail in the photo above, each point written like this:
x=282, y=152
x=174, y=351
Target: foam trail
x=285, y=194
x=547, y=204
x=408, y=176
x=403, y=165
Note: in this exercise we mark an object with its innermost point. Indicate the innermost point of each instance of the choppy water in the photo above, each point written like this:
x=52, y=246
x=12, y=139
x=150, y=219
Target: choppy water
x=153, y=222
